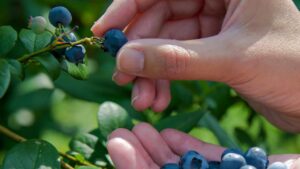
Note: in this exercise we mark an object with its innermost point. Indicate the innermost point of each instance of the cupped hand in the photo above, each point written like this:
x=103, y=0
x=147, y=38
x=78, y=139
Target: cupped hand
x=145, y=148
x=251, y=45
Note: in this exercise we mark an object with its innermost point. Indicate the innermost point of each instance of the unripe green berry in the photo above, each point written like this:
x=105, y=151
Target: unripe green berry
x=38, y=24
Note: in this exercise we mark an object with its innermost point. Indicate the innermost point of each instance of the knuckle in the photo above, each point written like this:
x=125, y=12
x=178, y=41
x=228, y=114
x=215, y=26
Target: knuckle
x=176, y=60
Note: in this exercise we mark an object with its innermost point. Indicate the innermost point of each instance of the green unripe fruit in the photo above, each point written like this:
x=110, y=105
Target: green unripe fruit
x=38, y=24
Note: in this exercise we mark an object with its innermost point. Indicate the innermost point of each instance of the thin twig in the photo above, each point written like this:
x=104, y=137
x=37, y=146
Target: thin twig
x=55, y=46
x=12, y=135
x=66, y=165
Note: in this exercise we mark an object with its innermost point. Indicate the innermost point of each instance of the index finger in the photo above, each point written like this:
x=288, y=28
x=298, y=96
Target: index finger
x=119, y=14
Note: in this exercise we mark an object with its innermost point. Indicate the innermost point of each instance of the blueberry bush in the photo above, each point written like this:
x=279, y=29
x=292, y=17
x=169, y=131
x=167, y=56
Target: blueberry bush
x=58, y=103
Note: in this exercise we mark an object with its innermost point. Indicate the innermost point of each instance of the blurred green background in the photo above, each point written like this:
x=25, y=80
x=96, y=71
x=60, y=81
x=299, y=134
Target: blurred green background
x=57, y=111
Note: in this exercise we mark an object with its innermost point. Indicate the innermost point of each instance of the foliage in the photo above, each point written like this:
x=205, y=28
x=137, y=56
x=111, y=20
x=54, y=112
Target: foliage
x=39, y=101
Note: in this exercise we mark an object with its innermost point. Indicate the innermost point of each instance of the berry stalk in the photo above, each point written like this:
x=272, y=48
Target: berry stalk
x=93, y=41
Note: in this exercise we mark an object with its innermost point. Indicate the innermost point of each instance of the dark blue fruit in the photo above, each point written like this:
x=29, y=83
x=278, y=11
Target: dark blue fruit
x=278, y=165
x=170, y=166
x=66, y=39
x=257, y=157
x=114, y=39
x=232, y=150
x=60, y=15
x=248, y=167
x=214, y=164
x=193, y=160
x=232, y=161
x=75, y=54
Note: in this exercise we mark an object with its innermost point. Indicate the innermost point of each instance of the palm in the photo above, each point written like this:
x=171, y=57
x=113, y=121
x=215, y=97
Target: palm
x=145, y=148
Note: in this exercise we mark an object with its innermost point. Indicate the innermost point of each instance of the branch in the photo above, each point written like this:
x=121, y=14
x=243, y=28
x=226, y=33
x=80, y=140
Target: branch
x=5, y=131
x=90, y=41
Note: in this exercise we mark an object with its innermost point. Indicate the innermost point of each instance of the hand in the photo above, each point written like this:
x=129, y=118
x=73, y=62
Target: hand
x=251, y=45
x=145, y=148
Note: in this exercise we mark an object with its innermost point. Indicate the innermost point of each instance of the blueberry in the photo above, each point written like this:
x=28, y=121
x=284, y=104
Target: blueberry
x=257, y=157
x=278, y=165
x=75, y=54
x=70, y=37
x=214, y=164
x=193, y=160
x=170, y=166
x=114, y=39
x=37, y=24
x=60, y=15
x=232, y=161
x=232, y=150
x=248, y=167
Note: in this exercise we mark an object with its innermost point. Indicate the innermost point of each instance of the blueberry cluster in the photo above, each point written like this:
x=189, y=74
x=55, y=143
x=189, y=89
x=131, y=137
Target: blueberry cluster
x=254, y=158
x=61, y=17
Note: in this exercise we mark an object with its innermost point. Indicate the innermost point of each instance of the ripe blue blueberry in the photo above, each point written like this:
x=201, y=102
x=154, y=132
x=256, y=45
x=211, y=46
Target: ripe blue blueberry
x=75, y=54
x=67, y=39
x=257, y=157
x=193, y=160
x=278, y=165
x=232, y=161
x=114, y=39
x=214, y=164
x=70, y=37
x=248, y=167
x=60, y=15
x=232, y=150
x=37, y=24
x=170, y=166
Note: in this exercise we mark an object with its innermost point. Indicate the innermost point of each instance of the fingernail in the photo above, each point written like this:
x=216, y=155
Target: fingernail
x=131, y=60
x=135, y=94
x=115, y=75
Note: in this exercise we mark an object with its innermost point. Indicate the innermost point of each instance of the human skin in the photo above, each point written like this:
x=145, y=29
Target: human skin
x=145, y=148
x=251, y=45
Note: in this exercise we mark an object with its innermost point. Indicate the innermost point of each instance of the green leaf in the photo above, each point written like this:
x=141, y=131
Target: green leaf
x=90, y=146
x=16, y=68
x=8, y=38
x=32, y=154
x=79, y=71
x=212, y=123
x=50, y=63
x=42, y=40
x=111, y=116
x=84, y=144
x=5, y=77
x=184, y=121
x=28, y=38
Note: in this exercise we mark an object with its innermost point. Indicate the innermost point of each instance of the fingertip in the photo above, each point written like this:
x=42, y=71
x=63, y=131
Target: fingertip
x=118, y=133
x=163, y=96
x=143, y=94
x=122, y=79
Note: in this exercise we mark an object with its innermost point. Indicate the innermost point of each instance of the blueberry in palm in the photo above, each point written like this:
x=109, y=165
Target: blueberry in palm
x=248, y=167
x=257, y=157
x=170, y=166
x=232, y=161
x=232, y=150
x=214, y=164
x=193, y=160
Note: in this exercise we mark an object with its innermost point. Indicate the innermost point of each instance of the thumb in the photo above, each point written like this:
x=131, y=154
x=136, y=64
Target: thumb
x=205, y=59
